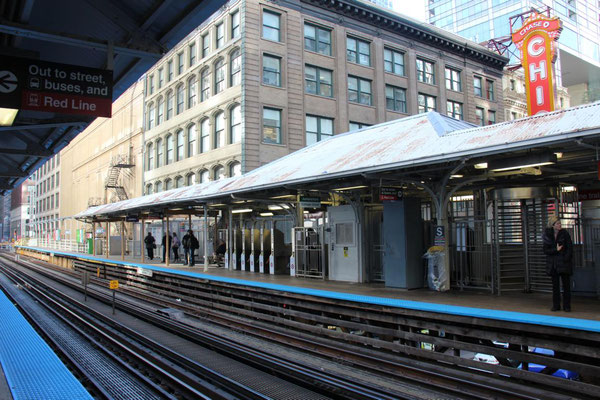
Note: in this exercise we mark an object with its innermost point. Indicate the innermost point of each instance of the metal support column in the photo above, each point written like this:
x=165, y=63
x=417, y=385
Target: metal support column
x=228, y=263
x=94, y=239
x=272, y=255
x=243, y=255
x=205, y=237
x=142, y=240
x=107, y=237
x=122, y=241
x=167, y=245
x=261, y=257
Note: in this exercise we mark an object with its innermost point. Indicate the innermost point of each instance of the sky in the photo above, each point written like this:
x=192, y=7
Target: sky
x=412, y=8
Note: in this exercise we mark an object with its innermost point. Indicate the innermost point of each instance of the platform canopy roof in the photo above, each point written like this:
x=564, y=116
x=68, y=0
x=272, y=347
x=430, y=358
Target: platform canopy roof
x=424, y=147
x=80, y=32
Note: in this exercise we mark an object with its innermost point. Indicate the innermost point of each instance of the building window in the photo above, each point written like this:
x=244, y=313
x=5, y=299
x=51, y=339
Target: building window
x=180, y=64
x=236, y=68
x=271, y=70
x=192, y=91
x=271, y=26
x=355, y=126
x=149, y=157
x=158, y=187
x=56, y=197
x=179, y=182
x=57, y=174
x=359, y=90
x=235, y=119
x=159, y=153
x=191, y=140
x=235, y=169
x=317, y=39
x=168, y=184
x=161, y=77
x=479, y=116
x=161, y=111
x=489, y=90
x=205, y=45
x=220, y=35
x=170, y=149
x=204, y=136
x=318, y=81
x=358, y=51
x=453, y=79
x=513, y=85
x=149, y=188
x=150, y=84
x=235, y=24
x=169, y=70
x=204, y=176
x=219, y=173
x=271, y=125
x=170, y=101
x=395, y=98
x=491, y=117
x=318, y=128
x=192, y=53
x=219, y=130
x=454, y=109
x=205, y=85
x=191, y=179
x=426, y=103
x=180, y=145
x=477, y=86
x=151, y=115
x=425, y=71
x=393, y=61
x=513, y=115
x=180, y=97
x=219, y=76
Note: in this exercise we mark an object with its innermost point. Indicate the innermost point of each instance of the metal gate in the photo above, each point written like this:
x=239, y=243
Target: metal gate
x=310, y=252
x=509, y=252
x=536, y=217
x=374, y=226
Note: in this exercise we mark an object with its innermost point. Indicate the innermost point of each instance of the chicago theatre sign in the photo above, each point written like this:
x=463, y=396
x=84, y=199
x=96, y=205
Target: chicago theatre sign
x=537, y=40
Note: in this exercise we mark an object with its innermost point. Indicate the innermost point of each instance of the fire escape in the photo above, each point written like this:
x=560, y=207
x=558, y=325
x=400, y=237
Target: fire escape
x=120, y=165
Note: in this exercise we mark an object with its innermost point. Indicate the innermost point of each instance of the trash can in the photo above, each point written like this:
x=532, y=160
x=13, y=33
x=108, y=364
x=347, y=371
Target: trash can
x=90, y=246
x=435, y=268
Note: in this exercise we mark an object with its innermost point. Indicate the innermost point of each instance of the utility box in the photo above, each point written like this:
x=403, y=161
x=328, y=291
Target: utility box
x=403, y=244
x=90, y=246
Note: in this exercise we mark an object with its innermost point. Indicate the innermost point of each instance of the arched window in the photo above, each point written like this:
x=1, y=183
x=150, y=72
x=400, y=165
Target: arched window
x=191, y=137
x=158, y=187
x=218, y=173
x=219, y=130
x=204, y=176
x=219, y=76
x=236, y=68
x=161, y=111
x=169, y=184
x=151, y=115
x=170, y=149
x=180, y=145
x=190, y=179
x=205, y=85
x=179, y=182
x=170, y=101
x=235, y=169
x=204, y=136
x=149, y=188
x=180, y=96
x=159, y=153
x=192, y=92
x=149, y=157
x=235, y=127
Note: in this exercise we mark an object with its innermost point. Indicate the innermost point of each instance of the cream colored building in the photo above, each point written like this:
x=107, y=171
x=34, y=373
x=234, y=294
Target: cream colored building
x=261, y=79
x=107, y=153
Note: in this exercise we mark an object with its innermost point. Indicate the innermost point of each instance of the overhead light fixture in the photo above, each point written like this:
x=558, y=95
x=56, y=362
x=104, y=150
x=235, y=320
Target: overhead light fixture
x=529, y=160
x=466, y=197
x=285, y=196
x=567, y=189
x=350, y=188
x=482, y=165
x=266, y=214
x=275, y=207
x=7, y=116
x=558, y=154
x=241, y=210
x=455, y=176
x=216, y=205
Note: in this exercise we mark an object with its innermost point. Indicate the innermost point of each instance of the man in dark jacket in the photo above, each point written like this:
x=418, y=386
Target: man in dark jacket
x=149, y=242
x=166, y=245
x=194, y=244
x=558, y=248
x=185, y=242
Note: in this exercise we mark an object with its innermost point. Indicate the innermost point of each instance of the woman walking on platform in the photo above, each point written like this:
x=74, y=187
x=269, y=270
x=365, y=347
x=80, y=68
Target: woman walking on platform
x=558, y=248
x=175, y=246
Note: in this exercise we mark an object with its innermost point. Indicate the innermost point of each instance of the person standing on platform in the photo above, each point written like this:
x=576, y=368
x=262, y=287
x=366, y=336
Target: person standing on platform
x=166, y=245
x=185, y=242
x=150, y=245
x=175, y=247
x=194, y=244
x=558, y=248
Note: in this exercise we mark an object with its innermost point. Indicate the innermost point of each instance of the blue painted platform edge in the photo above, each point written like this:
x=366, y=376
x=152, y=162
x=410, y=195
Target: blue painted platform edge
x=32, y=369
x=512, y=316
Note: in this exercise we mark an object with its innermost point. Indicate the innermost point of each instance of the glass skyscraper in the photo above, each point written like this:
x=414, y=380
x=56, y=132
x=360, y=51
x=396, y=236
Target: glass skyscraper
x=382, y=3
x=579, y=59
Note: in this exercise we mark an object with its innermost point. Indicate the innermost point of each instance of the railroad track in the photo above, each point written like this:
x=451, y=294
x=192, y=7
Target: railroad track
x=446, y=380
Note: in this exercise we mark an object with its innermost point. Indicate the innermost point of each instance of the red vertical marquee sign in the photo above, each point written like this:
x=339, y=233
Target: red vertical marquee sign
x=537, y=41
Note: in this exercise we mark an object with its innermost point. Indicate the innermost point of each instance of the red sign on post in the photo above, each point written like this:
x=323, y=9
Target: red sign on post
x=536, y=40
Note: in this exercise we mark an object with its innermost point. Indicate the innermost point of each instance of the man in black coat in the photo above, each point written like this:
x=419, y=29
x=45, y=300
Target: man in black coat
x=194, y=244
x=558, y=248
x=150, y=245
x=185, y=242
x=166, y=245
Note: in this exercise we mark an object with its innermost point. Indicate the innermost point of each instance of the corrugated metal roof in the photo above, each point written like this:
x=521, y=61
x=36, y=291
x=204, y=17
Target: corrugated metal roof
x=423, y=139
